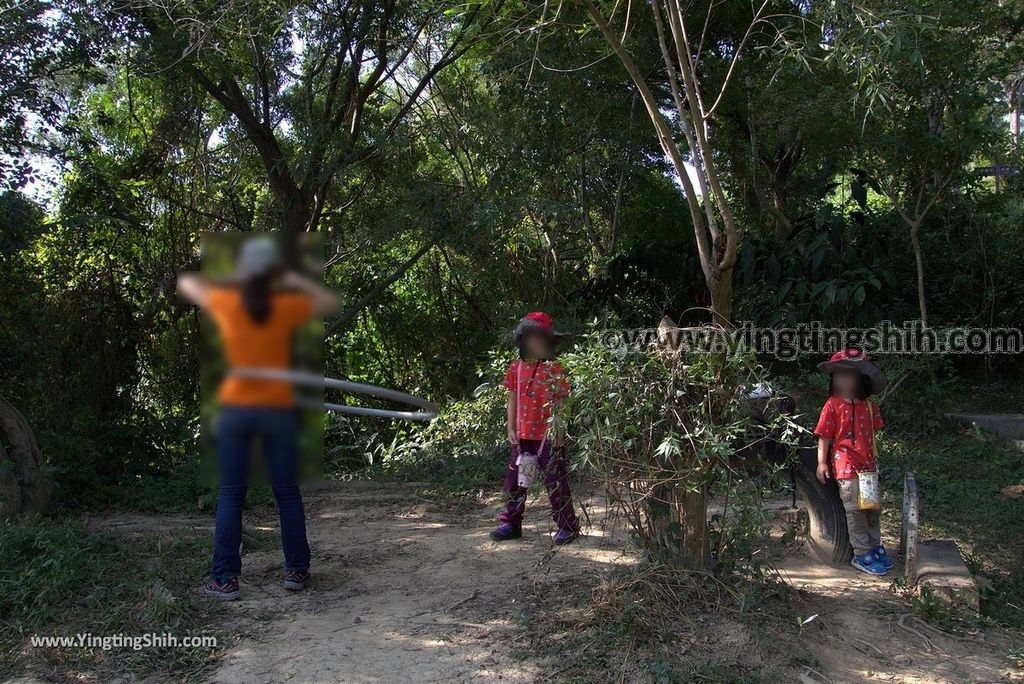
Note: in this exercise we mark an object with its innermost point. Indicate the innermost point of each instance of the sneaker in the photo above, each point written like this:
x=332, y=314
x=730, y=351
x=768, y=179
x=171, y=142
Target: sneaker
x=222, y=591
x=565, y=535
x=506, y=531
x=296, y=580
x=883, y=558
x=869, y=563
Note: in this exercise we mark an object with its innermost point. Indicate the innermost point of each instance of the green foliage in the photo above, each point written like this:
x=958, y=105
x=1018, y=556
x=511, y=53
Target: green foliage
x=659, y=432
x=41, y=47
x=831, y=273
x=461, y=452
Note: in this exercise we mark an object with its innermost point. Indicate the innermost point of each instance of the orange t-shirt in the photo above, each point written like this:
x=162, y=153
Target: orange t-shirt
x=248, y=344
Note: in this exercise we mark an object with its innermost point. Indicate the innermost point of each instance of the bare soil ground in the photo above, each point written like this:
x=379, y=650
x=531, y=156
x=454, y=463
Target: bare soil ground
x=866, y=633
x=408, y=589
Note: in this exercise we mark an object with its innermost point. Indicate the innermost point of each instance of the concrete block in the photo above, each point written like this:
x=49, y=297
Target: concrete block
x=1009, y=426
x=942, y=573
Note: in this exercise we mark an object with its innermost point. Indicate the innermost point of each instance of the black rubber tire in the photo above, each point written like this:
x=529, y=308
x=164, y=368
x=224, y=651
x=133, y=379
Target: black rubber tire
x=827, y=538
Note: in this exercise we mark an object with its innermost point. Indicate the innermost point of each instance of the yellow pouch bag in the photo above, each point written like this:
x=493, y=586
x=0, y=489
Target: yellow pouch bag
x=869, y=488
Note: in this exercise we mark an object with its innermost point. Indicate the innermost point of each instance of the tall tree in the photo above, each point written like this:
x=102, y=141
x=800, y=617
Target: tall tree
x=39, y=48
x=929, y=96
x=685, y=58
x=315, y=88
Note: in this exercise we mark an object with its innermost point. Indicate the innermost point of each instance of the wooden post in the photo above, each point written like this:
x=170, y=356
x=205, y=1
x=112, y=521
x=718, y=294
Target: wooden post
x=908, y=529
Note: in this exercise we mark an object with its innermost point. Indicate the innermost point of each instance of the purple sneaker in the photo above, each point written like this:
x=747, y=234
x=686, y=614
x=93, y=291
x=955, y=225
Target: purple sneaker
x=565, y=535
x=506, y=531
x=222, y=591
x=296, y=580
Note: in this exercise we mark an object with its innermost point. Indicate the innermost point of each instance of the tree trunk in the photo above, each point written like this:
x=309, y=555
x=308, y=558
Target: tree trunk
x=716, y=244
x=1015, y=126
x=922, y=302
x=23, y=487
x=1014, y=98
x=678, y=525
x=296, y=215
x=693, y=512
x=720, y=286
x=678, y=515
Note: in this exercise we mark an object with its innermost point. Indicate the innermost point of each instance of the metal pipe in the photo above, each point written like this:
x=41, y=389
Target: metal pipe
x=429, y=411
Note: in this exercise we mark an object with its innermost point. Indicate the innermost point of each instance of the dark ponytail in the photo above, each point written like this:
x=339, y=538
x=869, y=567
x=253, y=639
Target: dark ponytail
x=256, y=298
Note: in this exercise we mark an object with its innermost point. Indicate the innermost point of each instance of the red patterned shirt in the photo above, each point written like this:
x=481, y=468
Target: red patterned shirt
x=537, y=386
x=847, y=424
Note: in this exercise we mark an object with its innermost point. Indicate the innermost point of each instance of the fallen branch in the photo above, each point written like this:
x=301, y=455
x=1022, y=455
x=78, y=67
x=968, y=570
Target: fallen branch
x=871, y=646
x=928, y=646
x=817, y=674
x=461, y=602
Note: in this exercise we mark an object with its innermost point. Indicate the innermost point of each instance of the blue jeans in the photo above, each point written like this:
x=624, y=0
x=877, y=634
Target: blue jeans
x=278, y=431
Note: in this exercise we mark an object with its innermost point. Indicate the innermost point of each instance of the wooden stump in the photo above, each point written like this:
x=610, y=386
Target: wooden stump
x=908, y=529
x=23, y=486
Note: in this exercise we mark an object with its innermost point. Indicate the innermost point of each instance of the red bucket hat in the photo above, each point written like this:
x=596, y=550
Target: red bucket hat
x=856, y=360
x=535, y=321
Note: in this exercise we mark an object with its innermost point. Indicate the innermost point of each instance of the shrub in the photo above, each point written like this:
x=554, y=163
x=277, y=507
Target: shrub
x=464, y=449
x=659, y=431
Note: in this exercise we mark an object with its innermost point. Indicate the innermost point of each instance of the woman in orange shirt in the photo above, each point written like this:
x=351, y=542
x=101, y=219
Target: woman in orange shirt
x=257, y=316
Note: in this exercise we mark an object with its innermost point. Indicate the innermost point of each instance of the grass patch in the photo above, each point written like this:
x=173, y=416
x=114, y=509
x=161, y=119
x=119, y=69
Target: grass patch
x=960, y=474
x=59, y=578
x=653, y=623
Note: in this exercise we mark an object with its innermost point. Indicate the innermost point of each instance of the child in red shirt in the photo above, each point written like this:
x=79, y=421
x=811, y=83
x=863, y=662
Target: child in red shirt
x=846, y=431
x=536, y=383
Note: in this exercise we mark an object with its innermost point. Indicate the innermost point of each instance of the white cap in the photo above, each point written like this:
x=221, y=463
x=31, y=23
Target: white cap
x=258, y=256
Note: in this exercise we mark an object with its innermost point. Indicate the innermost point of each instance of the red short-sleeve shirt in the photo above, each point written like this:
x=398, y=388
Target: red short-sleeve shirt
x=537, y=387
x=848, y=425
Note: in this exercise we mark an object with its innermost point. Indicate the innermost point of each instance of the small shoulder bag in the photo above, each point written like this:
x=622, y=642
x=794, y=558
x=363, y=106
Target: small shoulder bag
x=869, y=489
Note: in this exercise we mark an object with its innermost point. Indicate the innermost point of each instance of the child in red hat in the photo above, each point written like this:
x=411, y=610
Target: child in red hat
x=536, y=382
x=846, y=431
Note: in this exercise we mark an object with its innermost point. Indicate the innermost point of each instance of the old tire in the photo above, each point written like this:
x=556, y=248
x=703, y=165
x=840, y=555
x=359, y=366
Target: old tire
x=23, y=486
x=827, y=538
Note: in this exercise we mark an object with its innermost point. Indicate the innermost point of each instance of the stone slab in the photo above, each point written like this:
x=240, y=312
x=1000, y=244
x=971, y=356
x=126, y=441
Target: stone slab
x=941, y=572
x=1009, y=426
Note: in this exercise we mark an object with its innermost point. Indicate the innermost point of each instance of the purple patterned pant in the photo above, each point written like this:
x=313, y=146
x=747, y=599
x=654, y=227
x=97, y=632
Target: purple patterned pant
x=556, y=478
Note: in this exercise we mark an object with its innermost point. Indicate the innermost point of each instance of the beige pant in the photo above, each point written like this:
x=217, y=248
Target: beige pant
x=864, y=526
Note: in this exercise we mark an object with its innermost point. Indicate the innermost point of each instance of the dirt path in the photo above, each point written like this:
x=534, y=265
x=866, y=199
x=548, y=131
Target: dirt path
x=405, y=590
x=413, y=590
x=865, y=633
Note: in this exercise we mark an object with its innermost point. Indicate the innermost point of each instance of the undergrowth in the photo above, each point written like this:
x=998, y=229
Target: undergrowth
x=658, y=623
x=461, y=453
x=58, y=578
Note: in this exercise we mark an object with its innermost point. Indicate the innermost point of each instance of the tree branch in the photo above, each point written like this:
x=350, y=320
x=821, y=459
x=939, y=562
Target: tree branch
x=364, y=301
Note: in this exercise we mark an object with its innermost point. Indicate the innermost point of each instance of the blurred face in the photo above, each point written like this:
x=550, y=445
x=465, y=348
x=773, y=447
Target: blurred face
x=537, y=346
x=846, y=383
